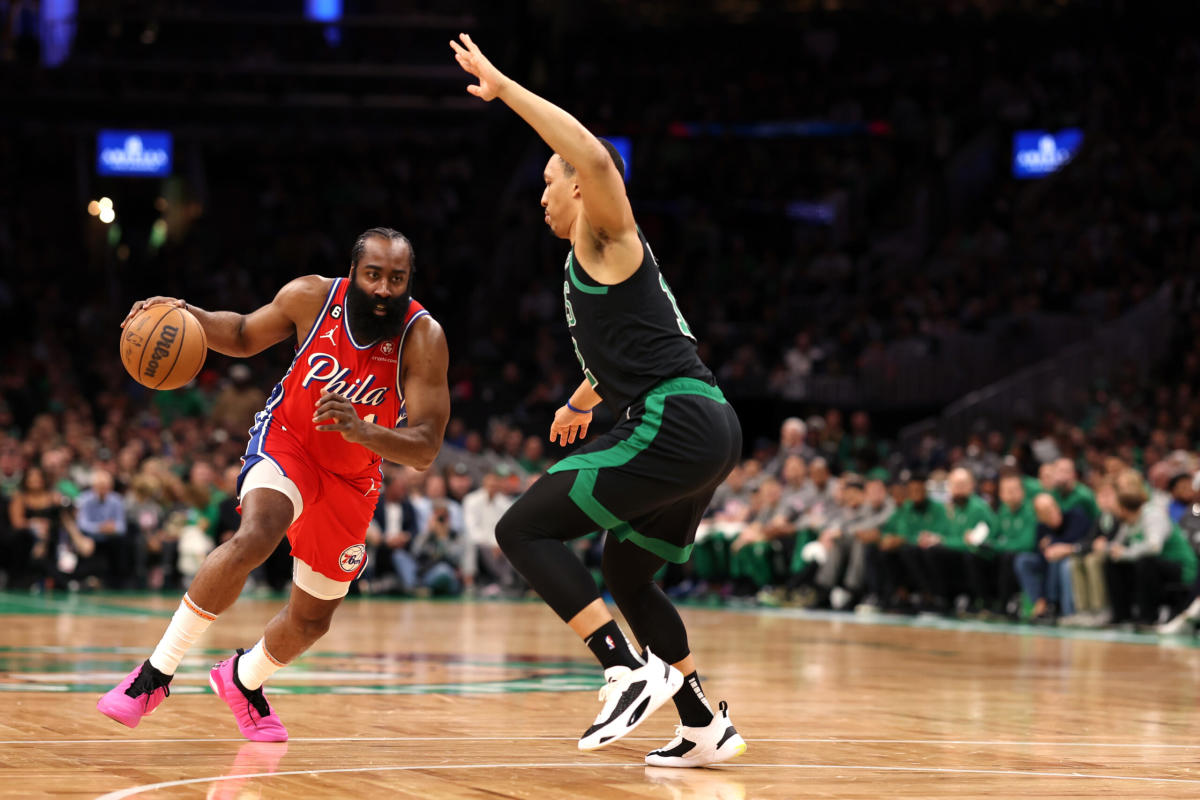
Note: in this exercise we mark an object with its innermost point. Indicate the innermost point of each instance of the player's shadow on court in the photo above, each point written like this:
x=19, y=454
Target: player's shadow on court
x=697, y=784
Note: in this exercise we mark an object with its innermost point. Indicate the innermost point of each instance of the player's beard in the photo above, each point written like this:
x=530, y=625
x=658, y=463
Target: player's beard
x=365, y=324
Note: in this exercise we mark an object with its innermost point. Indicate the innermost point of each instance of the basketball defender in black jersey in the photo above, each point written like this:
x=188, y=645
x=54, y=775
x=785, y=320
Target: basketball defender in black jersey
x=649, y=479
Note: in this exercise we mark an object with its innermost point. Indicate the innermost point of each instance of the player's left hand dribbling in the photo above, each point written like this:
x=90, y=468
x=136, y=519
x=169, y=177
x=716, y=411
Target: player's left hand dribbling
x=337, y=415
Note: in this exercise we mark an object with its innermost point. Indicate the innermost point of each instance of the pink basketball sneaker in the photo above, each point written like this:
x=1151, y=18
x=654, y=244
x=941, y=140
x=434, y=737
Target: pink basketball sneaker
x=254, y=716
x=136, y=696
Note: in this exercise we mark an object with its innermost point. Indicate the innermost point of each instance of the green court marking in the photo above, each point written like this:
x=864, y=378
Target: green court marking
x=448, y=660
x=577, y=682
x=78, y=604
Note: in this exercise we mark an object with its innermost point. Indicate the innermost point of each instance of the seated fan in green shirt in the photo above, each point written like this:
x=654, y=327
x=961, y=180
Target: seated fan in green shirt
x=1011, y=530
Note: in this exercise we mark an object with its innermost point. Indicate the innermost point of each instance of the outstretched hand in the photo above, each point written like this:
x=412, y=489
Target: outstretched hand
x=472, y=59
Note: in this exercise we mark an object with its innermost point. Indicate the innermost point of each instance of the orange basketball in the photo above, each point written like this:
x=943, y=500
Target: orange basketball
x=163, y=347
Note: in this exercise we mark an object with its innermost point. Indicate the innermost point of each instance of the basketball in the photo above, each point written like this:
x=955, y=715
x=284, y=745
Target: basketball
x=163, y=347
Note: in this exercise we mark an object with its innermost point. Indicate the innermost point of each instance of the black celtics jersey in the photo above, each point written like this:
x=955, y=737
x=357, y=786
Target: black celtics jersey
x=629, y=337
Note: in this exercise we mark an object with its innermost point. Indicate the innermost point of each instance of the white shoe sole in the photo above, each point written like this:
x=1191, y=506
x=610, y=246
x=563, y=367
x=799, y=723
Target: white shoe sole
x=730, y=750
x=663, y=693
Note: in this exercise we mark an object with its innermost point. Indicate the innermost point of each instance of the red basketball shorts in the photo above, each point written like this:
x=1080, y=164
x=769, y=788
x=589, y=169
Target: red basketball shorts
x=328, y=531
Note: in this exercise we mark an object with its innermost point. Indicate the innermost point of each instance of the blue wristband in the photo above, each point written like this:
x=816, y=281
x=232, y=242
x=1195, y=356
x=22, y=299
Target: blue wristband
x=578, y=410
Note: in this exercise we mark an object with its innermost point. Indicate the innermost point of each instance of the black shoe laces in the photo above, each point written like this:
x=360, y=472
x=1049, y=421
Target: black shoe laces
x=148, y=680
x=254, y=698
x=256, y=701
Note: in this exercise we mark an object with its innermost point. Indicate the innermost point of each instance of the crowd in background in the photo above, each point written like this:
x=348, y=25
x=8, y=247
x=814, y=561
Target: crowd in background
x=888, y=236
x=1088, y=521
x=930, y=242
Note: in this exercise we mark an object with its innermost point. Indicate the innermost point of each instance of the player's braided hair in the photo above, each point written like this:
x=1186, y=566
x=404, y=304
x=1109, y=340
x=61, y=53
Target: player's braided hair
x=384, y=233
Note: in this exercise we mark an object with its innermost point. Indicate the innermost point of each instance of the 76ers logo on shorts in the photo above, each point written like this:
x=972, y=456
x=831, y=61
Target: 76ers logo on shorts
x=352, y=557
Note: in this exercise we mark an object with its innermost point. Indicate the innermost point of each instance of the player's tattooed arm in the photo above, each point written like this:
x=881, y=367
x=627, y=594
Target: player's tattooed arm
x=241, y=335
x=426, y=400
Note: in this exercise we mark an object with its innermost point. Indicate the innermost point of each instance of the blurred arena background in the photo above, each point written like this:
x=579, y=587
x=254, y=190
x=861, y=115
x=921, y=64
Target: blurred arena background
x=929, y=234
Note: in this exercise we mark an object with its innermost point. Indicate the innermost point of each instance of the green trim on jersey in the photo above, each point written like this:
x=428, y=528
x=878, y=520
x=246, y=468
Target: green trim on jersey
x=580, y=286
x=589, y=464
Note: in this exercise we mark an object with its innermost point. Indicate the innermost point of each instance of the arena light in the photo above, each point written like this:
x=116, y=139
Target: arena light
x=107, y=215
x=105, y=203
x=323, y=10
x=94, y=208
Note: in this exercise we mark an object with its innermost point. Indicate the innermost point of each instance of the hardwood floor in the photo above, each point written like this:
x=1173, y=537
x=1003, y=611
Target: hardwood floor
x=460, y=700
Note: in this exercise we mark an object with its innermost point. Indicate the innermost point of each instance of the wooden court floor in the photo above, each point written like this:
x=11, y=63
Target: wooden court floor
x=486, y=700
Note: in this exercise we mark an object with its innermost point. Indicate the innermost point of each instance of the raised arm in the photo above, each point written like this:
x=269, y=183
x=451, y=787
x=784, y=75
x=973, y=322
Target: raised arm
x=426, y=400
x=240, y=335
x=605, y=204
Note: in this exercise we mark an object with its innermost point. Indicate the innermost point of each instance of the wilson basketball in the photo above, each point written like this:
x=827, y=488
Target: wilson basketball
x=163, y=347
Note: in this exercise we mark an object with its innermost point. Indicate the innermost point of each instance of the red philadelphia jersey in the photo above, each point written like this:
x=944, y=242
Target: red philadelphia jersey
x=330, y=359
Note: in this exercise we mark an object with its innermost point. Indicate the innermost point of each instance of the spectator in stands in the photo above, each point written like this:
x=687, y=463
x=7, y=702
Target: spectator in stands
x=866, y=509
x=100, y=514
x=1069, y=492
x=1179, y=486
x=792, y=442
x=1045, y=575
x=439, y=550
x=1015, y=532
x=459, y=483
x=35, y=513
x=969, y=521
x=203, y=496
x=144, y=519
x=1146, y=555
x=436, y=491
x=1088, y=568
x=942, y=551
x=483, y=558
x=859, y=451
x=798, y=493
x=900, y=562
x=390, y=538
x=822, y=509
x=238, y=402
x=11, y=466
x=757, y=552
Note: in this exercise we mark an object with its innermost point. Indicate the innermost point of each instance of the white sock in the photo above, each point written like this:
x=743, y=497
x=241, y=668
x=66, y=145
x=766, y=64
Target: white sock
x=256, y=666
x=189, y=622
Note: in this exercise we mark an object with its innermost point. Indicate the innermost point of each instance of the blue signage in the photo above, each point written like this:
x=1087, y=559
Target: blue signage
x=1038, y=153
x=136, y=153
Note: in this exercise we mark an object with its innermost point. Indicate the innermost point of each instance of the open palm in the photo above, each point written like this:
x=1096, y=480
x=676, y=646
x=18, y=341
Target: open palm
x=472, y=59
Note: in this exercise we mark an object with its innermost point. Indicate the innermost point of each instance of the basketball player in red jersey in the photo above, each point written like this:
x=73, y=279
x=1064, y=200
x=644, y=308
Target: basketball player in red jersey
x=368, y=382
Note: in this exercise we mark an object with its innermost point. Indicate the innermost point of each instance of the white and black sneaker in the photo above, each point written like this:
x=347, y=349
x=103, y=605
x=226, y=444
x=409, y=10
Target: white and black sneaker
x=630, y=696
x=698, y=747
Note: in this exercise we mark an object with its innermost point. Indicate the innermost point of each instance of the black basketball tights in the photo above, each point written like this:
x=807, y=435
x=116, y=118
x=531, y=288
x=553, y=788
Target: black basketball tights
x=533, y=534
